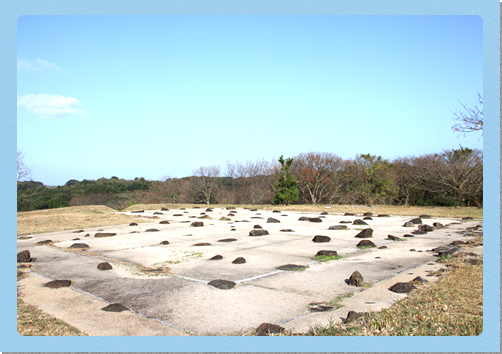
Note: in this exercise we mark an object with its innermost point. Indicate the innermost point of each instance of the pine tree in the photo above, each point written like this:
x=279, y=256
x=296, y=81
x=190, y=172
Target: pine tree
x=287, y=187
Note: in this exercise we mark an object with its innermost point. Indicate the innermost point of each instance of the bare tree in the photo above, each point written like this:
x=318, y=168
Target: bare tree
x=172, y=189
x=318, y=176
x=471, y=120
x=204, y=183
x=23, y=172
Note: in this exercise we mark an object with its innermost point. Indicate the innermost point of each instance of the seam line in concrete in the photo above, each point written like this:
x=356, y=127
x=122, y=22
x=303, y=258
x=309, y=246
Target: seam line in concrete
x=193, y=279
x=130, y=310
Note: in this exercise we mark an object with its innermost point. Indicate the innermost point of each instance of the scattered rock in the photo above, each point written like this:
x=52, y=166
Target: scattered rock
x=164, y=243
x=315, y=219
x=473, y=261
x=324, y=213
x=303, y=218
x=257, y=227
x=319, y=307
x=216, y=258
x=158, y=213
x=456, y=243
x=104, y=266
x=418, y=232
x=408, y=224
x=230, y=214
x=115, y=308
x=321, y=238
x=420, y=280
x=75, y=239
x=368, y=214
x=165, y=209
x=268, y=328
x=447, y=250
x=253, y=210
x=137, y=211
x=44, y=242
x=209, y=209
x=197, y=224
x=416, y=221
x=393, y=238
x=408, y=235
x=177, y=214
x=327, y=253
x=382, y=247
x=258, y=232
x=202, y=244
x=366, y=243
x=425, y=227
x=239, y=260
x=276, y=211
x=105, y=234
x=79, y=245
x=349, y=214
x=225, y=219
x=356, y=279
x=133, y=224
x=359, y=222
x=204, y=217
x=256, y=217
x=221, y=284
x=353, y=315
x=402, y=288
x=345, y=222
x=290, y=267
x=55, y=284
x=366, y=233
x=467, y=218
x=383, y=215
x=287, y=230
x=437, y=225
x=412, y=250
x=76, y=232
x=425, y=216
x=164, y=222
x=24, y=257
x=228, y=240
x=337, y=227
x=367, y=218
x=272, y=220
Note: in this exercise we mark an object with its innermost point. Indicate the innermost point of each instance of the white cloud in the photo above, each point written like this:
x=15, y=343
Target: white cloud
x=51, y=106
x=36, y=65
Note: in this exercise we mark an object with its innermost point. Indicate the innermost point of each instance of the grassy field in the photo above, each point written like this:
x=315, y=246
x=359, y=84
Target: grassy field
x=449, y=307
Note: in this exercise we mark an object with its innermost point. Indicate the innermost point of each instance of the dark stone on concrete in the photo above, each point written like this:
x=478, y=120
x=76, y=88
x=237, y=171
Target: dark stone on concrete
x=359, y=222
x=76, y=232
x=315, y=219
x=437, y=225
x=105, y=234
x=418, y=232
x=230, y=214
x=402, y=288
x=75, y=239
x=164, y=243
x=44, y=242
x=256, y=217
x=55, y=284
x=365, y=243
x=425, y=227
x=383, y=215
x=268, y=328
x=303, y=218
x=164, y=222
x=209, y=209
x=272, y=220
x=216, y=258
x=321, y=238
x=408, y=235
x=349, y=214
x=425, y=216
x=290, y=267
x=456, y=243
x=228, y=240
x=420, y=280
x=177, y=214
x=197, y=224
x=239, y=260
x=258, y=232
x=24, y=257
x=324, y=213
x=353, y=315
x=337, y=227
x=115, y=308
x=448, y=251
x=253, y=209
x=165, y=209
x=366, y=233
x=202, y=244
x=467, y=218
x=408, y=224
x=412, y=250
x=416, y=221
x=133, y=224
x=158, y=213
x=137, y=211
x=203, y=217
x=393, y=238
x=286, y=230
x=221, y=284
x=225, y=219
x=79, y=245
x=151, y=230
x=382, y=247
x=368, y=214
x=104, y=266
x=327, y=253
x=276, y=211
x=356, y=279
x=345, y=222
x=367, y=218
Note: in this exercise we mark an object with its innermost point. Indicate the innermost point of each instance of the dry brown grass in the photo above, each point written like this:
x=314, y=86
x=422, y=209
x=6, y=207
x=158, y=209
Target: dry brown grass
x=70, y=218
x=447, y=212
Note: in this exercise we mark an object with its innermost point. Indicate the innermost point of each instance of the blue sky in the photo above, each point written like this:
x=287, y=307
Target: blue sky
x=148, y=96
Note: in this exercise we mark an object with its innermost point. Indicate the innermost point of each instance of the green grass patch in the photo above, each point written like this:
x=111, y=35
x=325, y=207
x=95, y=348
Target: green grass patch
x=323, y=258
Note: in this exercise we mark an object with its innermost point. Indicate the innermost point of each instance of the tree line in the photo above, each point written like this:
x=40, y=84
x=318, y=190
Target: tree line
x=450, y=178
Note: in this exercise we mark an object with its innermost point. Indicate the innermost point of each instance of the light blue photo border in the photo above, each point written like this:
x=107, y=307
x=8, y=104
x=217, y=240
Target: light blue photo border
x=488, y=10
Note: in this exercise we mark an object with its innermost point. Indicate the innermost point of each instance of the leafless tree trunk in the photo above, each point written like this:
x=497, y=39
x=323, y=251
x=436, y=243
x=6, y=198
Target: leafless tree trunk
x=471, y=120
x=204, y=183
x=23, y=172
